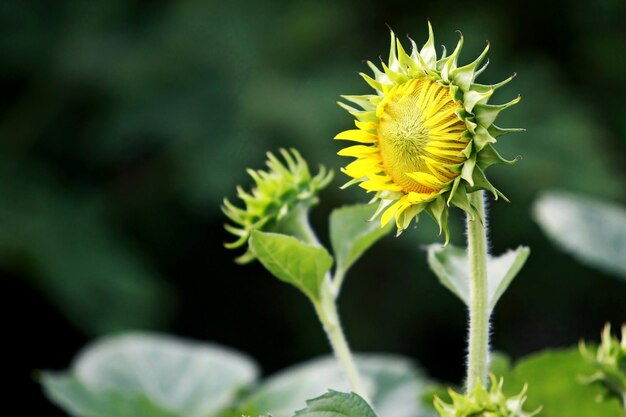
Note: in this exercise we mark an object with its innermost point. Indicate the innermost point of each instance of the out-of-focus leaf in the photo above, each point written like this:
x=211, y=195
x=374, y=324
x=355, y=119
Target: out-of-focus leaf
x=62, y=241
x=147, y=375
x=499, y=363
x=554, y=383
x=351, y=234
x=393, y=383
x=300, y=264
x=451, y=266
x=336, y=404
x=591, y=230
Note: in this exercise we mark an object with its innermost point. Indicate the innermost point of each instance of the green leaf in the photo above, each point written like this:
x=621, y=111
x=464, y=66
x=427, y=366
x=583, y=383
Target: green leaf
x=77, y=399
x=148, y=375
x=303, y=265
x=337, y=404
x=501, y=271
x=451, y=266
x=394, y=384
x=593, y=231
x=554, y=382
x=351, y=234
x=499, y=363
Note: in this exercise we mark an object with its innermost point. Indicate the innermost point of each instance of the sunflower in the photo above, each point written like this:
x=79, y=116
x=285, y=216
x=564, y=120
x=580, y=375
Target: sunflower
x=285, y=191
x=425, y=137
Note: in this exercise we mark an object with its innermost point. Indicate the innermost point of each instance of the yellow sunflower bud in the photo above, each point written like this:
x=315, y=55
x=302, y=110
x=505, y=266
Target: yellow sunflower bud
x=425, y=137
x=284, y=190
x=484, y=403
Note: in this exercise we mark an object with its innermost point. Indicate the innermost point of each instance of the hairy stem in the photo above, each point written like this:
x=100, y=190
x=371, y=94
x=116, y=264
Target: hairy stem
x=327, y=312
x=298, y=225
x=478, y=358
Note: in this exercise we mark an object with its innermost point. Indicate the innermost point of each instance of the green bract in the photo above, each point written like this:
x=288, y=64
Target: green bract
x=284, y=190
x=484, y=403
x=609, y=361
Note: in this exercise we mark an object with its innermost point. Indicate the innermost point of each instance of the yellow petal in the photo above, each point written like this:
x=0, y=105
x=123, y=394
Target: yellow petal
x=425, y=179
x=357, y=135
x=365, y=125
x=358, y=151
x=415, y=198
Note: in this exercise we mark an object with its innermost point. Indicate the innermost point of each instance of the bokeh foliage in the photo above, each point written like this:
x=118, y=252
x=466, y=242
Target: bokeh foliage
x=124, y=123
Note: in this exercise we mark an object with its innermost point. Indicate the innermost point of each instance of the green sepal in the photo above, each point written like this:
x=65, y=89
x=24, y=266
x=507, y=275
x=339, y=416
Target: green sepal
x=609, y=361
x=456, y=93
x=408, y=215
x=361, y=115
x=300, y=264
x=484, y=402
x=428, y=51
x=480, y=182
x=404, y=58
x=464, y=76
x=378, y=74
x=453, y=190
x=376, y=85
x=439, y=212
x=451, y=62
x=467, y=152
x=486, y=114
x=472, y=97
x=496, y=131
x=364, y=100
x=489, y=156
x=467, y=172
x=458, y=198
x=393, y=76
x=482, y=138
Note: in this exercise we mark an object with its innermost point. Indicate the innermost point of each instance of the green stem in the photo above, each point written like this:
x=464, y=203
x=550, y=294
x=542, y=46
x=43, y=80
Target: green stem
x=337, y=282
x=298, y=225
x=327, y=312
x=478, y=360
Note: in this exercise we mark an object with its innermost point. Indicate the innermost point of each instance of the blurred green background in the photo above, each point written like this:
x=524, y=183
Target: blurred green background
x=123, y=124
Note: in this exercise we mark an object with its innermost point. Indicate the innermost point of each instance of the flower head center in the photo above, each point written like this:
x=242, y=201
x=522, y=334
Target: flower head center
x=420, y=134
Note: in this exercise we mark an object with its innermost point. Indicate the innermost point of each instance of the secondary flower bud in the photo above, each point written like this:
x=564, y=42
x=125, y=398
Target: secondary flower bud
x=278, y=192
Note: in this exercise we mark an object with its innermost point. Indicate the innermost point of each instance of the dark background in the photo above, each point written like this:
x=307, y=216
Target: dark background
x=124, y=123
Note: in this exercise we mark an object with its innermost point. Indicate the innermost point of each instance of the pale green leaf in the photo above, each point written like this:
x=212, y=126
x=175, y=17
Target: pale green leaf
x=393, y=383
x=352, y=234
x=147, y=375
x=451, y=266
x=336, y=404
x=593, y=231
x=303, y=265
x=502, y=269
x=554, y=379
